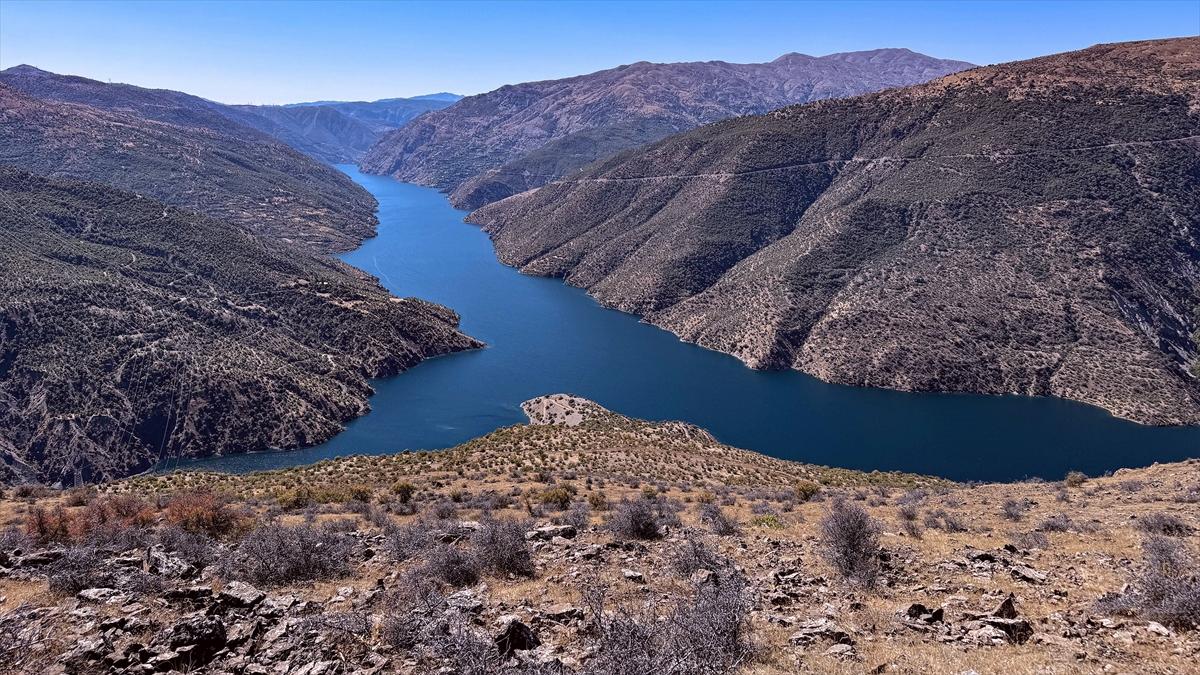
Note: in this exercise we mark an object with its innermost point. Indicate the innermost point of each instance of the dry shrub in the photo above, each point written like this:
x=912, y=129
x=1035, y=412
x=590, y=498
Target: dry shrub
x=1164, y=524
x=598, y=501
x=806, y=490
x=80, y=567
x=642, y=519
x=557, y=497
x=203, y=513
x=274, y=554
x=49, y=526
x=850, y=543
x=717, y=520
x=452, y=565
x=705, y=634
x=500, y=547
x=1168, y=588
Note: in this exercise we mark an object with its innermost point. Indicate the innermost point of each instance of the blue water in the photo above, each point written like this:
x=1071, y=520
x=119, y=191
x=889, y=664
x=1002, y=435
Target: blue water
x=545, y=337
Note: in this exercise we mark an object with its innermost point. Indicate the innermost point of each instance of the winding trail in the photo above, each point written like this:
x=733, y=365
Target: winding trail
x=868, y=160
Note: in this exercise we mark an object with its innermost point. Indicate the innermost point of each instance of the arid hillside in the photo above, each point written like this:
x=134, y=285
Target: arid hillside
x=590, y=543
x=1028, y=227
x=131, y=331
x=493, y=145
x=180, y=150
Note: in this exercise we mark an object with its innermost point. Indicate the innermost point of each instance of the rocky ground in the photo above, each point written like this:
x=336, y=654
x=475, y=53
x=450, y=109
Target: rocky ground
x=587, y=542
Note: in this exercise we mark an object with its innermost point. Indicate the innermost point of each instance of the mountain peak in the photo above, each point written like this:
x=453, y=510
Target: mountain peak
x=25, y=69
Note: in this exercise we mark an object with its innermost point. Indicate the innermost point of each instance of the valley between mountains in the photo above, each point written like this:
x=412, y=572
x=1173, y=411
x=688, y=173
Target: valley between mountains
x=176, y=287
x=1027, y=228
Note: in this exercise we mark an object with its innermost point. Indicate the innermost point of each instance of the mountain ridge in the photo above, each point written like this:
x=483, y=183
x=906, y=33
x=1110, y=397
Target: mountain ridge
x=176, y=148
x=491, y=145
x=899, y=239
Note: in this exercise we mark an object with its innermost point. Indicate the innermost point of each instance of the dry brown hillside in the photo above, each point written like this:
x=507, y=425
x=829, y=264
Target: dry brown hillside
x=587, y=542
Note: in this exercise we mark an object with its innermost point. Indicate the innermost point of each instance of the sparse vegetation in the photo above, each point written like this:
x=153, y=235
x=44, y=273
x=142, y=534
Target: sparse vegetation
x=850, y=543
x=274, y=554
x=1167, y=589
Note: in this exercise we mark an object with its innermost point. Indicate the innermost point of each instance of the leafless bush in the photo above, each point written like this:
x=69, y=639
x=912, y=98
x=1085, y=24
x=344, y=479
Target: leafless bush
x=274, y=554
x=694, y=554
x=717, y=520
x=1059, y=522
x=410, y=540
x=706, y=634
x=203, y=512
x=1075, y=479
x=578, y=516
x=500, y=547
x=1164, y=524
x=850, y=543
x=909, y=513
x=1013, y=510
x=411, y=611
x=1131, y=485
x=445, y=510
x=945, y=520
x=912, y=528
x=192, y=547
x=641, y=519
x=452, y=565
x=12, y=538
x=1032, y=540
x=1167, y=589
x=763, y=509
x=79, y=567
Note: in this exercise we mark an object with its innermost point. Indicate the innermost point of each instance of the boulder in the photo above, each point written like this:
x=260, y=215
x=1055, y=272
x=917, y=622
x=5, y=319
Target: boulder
x=562, y=613
x=240, y=594
x=1016, y=630
x=515, y=636
x=813, y=630
x=549, y=532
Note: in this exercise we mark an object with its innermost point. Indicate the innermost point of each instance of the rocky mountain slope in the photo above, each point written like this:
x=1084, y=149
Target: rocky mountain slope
x=489, y=146
x=587, y=543
x=1029, y=227
x=338, y=132
x=131, y=331
x=181, y=150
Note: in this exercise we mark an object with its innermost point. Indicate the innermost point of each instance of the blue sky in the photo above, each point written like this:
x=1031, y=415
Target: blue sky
x=276, y=52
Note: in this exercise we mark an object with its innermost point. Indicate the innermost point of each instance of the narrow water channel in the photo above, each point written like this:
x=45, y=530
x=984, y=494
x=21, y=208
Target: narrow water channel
x=545, y=337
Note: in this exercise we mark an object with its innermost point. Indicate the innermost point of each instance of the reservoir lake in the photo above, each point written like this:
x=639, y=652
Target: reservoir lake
x=545, y=337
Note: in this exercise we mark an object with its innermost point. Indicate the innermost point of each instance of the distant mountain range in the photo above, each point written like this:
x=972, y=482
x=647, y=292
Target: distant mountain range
x=179, y=149
x=1029, y=228
x=493, y=145
x=339, y=132
x=332, y=131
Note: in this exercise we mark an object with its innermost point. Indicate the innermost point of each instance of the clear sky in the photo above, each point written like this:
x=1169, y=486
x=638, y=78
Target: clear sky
x=276, y=52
